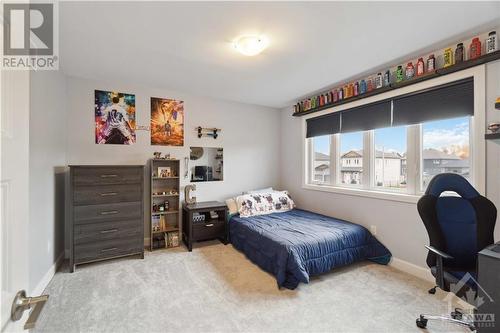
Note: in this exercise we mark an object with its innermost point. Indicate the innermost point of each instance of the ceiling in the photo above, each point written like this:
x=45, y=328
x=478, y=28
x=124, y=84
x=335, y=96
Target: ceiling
x=186, y=46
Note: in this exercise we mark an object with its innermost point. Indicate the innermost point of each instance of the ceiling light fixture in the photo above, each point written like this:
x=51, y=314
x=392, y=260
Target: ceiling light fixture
x=250, y=45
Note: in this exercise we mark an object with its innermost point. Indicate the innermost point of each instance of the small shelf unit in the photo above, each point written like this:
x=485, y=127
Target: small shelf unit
x=492, y=136
x=165, y=204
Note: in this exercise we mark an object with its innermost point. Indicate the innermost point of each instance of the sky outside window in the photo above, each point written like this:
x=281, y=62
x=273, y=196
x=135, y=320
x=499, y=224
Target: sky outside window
x=351, y=141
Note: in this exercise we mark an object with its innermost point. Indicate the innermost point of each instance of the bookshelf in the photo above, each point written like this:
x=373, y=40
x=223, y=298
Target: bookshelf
x=165, y=204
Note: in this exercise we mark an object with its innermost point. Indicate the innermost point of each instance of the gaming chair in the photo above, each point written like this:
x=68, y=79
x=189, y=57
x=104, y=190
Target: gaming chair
x=458, y=227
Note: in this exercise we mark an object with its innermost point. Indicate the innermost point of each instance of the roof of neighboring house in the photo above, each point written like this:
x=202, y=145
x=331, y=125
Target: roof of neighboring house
x=388, y=154
x=322, y=167
x=353, y=153
x=434, y=154
x=359, y=153
x=321, y=157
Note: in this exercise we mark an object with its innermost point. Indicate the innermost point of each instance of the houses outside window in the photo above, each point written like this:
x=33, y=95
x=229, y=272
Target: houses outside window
x=351, y=157
x=321, y=162
x=445, y=148
x=390, y=158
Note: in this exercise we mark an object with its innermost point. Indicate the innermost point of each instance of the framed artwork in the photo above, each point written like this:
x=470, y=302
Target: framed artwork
x=114, y=118
x=167, y=122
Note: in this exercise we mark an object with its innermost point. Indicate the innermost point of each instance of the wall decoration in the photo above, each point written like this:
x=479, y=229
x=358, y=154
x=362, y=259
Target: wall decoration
x=167, y=122
x=114, y=118
x=211, y=132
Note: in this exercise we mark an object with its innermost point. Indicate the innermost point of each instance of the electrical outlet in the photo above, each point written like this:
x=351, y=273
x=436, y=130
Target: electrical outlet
x=373, y=229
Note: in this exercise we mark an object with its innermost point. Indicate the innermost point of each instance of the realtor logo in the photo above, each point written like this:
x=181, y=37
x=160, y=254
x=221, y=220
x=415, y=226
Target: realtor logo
x=477, y=315
x=29, y=36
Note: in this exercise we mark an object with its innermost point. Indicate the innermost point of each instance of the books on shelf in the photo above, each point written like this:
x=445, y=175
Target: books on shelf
x=197, y=217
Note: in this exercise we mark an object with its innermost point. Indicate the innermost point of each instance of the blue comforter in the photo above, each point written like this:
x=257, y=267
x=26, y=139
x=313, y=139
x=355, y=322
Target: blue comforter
x=297, y=244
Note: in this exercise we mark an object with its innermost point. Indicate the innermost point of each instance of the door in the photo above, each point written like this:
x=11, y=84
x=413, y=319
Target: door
x=14, y=191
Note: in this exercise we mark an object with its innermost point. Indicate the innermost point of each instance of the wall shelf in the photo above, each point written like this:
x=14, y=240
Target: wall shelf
x=492, y=136
x=396, y=85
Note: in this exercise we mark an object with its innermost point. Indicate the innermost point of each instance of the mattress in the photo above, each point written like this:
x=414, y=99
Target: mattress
x=298, y=244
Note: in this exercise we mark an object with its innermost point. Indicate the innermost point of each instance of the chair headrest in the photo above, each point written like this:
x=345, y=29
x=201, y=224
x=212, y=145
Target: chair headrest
x=451, y=182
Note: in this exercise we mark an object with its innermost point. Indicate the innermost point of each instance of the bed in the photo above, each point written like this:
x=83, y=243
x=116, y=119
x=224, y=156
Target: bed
x=297, y=244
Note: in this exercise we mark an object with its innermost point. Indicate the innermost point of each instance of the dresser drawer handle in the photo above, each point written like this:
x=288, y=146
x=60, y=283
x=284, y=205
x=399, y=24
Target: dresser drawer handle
x=108, y=231
x=108, y=194
x=108, y=176
x=109, y=249
x=109, y=212
x=209, y=225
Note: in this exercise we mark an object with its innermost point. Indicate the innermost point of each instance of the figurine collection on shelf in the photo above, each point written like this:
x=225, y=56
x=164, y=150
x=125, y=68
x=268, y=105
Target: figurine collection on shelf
x=161, y=207
x=168, y=192
x=407, y=73
x=157, y=156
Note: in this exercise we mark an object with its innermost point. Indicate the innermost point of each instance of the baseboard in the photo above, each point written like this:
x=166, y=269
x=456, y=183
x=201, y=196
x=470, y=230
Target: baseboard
x=407, y=267
x=48, y=276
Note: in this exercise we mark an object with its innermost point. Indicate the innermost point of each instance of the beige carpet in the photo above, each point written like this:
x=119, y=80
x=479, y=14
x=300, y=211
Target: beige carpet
x=216, y=289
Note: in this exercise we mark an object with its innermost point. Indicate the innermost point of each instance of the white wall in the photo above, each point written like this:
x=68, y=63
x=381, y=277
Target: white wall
x=250, y=137
x=398, y=224
x=493, y=146
x=47, y=151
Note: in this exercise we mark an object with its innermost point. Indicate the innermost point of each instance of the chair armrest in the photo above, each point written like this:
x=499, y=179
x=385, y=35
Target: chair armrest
x=439, y=265
x=438, y=252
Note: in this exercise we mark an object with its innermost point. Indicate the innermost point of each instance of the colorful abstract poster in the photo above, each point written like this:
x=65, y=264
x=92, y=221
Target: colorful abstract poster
x=167, y=122
x=114, y=118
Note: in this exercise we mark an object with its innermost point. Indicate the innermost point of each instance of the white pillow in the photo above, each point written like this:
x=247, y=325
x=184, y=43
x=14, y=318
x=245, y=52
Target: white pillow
x=232, y=206
x=264, y=203
x=267, y=189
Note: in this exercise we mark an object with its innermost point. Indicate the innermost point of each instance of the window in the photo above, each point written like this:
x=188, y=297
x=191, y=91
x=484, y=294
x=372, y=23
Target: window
x=390, y=158
x=321, y=159
x=445, y=148
x=351, y=158
x=397, y=144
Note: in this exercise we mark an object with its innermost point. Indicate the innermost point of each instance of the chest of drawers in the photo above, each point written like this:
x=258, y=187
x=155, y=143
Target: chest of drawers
x=107, y=213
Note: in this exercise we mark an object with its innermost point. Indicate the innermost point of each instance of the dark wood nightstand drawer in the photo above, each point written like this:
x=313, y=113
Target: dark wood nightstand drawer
x=96, y=232
x=101, y=194
x=107, y=249
x=107, y=212
x=208, y=230
x=107, y=175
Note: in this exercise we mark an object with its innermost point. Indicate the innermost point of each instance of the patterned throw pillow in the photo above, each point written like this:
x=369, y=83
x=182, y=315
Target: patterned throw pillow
x=264, y=203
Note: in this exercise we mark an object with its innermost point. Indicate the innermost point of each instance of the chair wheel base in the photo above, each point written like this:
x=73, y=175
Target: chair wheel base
x=432, y=291
x=421, y=322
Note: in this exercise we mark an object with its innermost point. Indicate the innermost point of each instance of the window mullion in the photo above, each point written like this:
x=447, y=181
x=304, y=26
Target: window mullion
x=367, y=159
x=413, y=159
x=335, y=159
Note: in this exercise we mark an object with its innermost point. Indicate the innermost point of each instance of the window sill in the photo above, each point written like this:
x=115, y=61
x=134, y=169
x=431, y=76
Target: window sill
x=391, y=196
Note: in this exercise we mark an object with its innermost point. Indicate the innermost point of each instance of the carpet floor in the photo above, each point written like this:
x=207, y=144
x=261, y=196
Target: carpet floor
x=216, y=289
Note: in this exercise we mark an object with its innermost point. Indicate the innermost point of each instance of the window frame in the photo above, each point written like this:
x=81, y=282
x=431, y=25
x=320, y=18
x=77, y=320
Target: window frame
x=413, y=191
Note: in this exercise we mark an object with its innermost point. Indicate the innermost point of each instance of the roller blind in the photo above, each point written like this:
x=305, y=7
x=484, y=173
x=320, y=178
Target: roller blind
x=367, y=117
x=452, y=100
x=323, y=125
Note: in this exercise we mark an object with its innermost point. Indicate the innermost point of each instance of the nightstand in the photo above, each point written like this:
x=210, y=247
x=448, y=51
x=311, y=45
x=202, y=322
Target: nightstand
x=199, y=224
